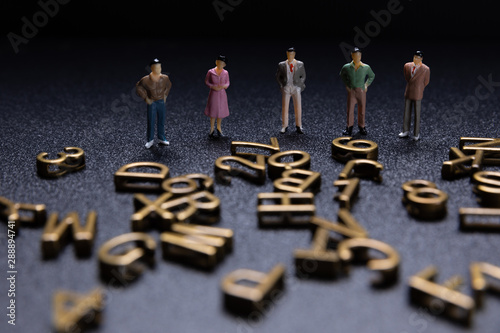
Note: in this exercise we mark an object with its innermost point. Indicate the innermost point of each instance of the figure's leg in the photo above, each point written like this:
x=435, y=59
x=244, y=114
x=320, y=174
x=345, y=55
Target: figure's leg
x=407, y=116
x=361, y=99
x=351, y=102
x=151, y=123
x=160, y=111
x=297, y=105
x=219, y=121
x=212, y=124
x=285, y=104
x=418, y=106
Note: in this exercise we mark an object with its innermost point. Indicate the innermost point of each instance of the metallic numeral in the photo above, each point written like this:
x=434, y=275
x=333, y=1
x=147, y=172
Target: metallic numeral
x=56, y=234
x=362, y=168
x=223, y=172
x=207, y=208
x=273, y=148
x=356, y=249
x=192, y=182
x=490, y=147
x=244, y=298
x=17, y=212
x=199, y=245
x=480, y=284
x=285, y=209
x=74, y=312
x=349, y=189
x=487, y=187
x=441, y=299
x=413, y=185
x=298, y=181
x=463, y=165
x=301, y=160
x=201, y=207
x=482, y=219
x=423, y=200
x=141, y=181
x=346, y=226
x=128, y=264
x=319, y=260
x=72, y=159
x=345, y=149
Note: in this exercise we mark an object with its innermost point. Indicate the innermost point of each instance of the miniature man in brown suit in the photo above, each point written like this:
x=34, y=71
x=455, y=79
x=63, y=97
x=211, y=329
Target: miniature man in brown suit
x=417, y=76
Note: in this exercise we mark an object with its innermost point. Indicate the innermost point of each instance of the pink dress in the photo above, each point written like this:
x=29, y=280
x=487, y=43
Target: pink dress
x=217, y=100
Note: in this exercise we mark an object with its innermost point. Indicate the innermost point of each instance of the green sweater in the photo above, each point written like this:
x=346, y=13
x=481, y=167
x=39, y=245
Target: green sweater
x=356, y=78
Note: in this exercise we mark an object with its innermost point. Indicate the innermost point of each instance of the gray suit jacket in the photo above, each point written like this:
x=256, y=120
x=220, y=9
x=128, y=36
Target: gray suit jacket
x=299, y=75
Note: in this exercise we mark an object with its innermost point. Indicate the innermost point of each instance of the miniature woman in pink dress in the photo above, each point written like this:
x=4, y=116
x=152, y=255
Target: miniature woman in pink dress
x=217, y=80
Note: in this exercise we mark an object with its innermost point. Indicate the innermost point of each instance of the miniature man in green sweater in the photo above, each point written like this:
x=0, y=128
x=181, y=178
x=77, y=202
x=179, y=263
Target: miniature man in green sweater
x=354, y=75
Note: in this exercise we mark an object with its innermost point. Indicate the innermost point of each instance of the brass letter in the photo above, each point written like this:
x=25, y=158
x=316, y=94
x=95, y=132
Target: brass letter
x=141, y=181
x=244, y=298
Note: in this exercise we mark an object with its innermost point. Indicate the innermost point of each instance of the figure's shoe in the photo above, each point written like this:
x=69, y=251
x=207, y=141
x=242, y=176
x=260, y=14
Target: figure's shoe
x=404, y=134
x=211, y=134
x=219, y=132
x=362, y=130
x=416, y=138
x=347, y=131
x=149, y=144
x=164, y=142
x=283, y=130
x=299, y=130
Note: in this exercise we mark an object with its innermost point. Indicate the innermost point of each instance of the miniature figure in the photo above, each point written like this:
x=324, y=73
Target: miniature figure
x=217, y=80
x=417, y=76
x=154, y=89
x=354, y=75
x=291, y=76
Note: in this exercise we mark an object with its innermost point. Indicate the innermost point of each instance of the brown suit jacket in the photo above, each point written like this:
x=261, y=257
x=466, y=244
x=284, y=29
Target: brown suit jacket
x=416, y=84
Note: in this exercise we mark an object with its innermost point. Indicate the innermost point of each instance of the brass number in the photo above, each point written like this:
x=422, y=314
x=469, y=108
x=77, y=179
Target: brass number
x=345, y=149
x=74, y=312
x=301, y=160
x=224, y=172
x=273, y=148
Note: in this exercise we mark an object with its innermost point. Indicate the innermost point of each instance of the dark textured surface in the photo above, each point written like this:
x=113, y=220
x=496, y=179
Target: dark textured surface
x=80, y=93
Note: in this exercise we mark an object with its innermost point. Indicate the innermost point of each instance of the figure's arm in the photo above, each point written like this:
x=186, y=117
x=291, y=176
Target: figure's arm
x=226, y=84
x=167, y=90
x=345, y=78
x=427, y=77
x=371, y=76
x=303, y=78
x=279, y=77
x=142, y=92
x=406, y=72
x=207, y=81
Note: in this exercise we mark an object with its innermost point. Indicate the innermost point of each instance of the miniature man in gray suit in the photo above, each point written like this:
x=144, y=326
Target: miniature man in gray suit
x=417, y=76
x=291, y=76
